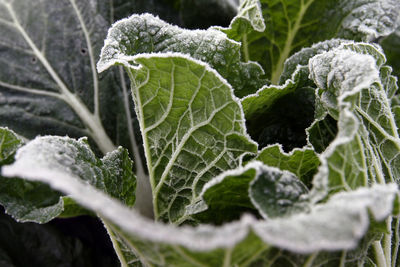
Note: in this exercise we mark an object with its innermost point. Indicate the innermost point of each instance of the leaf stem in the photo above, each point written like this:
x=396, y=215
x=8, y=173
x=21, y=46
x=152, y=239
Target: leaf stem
x=396, y=242
x=387, y=242
x=245, y=47
x=310, y=260
x=143, y=201
x=116, y=246
x=276, y=73
x=379, y=254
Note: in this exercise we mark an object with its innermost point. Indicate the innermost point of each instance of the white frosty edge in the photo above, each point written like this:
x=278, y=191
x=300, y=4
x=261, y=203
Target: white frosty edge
x=208, y=69
x=344, y=136
x=200, y=238
x=123, y=59
x=257, y=5
x=258, y=169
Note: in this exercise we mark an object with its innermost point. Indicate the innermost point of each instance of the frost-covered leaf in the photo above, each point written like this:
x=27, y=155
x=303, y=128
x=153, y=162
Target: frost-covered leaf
x=34, y=201
x=148, y=34
x=366, y=148
x=121, y=184
x=226, y=197
x=278, y=193
x=28, y=201
x=192, y=126
x=25, y=200
x=249, y=17
x=336, y=224
x=9, y=143
x=302, y=162
x=322, y=132
x=255, y=188
x=293, y=24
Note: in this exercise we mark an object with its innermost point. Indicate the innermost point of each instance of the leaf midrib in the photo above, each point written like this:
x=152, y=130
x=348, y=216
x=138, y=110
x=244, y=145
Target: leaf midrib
x=91, y=121
x=276, y=72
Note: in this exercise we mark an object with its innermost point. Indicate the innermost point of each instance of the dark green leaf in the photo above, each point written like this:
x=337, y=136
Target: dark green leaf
x=293, y=24
x=301, y=162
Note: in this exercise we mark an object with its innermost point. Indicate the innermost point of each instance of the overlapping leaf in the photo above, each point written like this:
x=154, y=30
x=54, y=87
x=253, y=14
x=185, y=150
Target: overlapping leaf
x=294, y=24
x=257, y=188
x=366, y=149
x=148, y=34
x=337, y=224
x=192, y=126
x=301, y=162
x=34, y=201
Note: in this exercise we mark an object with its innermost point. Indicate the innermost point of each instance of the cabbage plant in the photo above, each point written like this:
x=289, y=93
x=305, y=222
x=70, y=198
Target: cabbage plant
x=271, y=141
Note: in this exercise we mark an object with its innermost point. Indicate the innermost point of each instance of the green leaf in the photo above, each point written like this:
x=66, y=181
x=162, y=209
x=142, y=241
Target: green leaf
x=40, y=93
x=336, y=224
x=192, y=127
x=226, y=197
x=278, y=193
x=51, y=87
x=34, y=201
x=293, y=24
x=391, y=46
x=25, y=200
x=365, y=150
x=249, y=17
x=301, y=162
x=148, y=34
x=70, y=209
x=121, y=184
x=255, y=187
x=9, y=144
x=28, y=201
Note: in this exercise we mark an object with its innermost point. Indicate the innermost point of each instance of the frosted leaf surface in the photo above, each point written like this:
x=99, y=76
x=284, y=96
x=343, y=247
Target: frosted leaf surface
x=335, y=225
x=278, y=193
x=22, y=199
x=370, y=19
x=249, y=17
x=255, y=188
x=293, y=24
x=29, y=201
x=50, y=83
x=9, y=143
x=192, y=126
x=366, y=147
x=301, y=162
x=148, y=34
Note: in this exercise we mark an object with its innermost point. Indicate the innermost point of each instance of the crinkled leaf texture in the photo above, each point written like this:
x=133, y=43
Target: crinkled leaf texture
x=34, y=201
x=262, y=190
x=293, y=24
x=192, y=127
x=148, y=34
x=353, y=91
x=335, y=225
